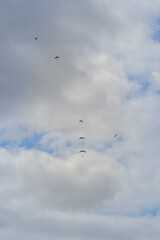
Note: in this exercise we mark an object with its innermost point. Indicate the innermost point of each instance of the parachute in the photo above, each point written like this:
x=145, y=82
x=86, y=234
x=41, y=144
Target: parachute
x=36, y=38
x=56, y=58
x=82, y=151
x=116, y=135
x=81, y=121
x=81, y=138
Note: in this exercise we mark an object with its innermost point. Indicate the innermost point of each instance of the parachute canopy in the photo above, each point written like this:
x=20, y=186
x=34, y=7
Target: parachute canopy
x=36, y=38
x=81, y=121
x=82, y=151
x=56, y=57
x=116, y=135
x=81, y=138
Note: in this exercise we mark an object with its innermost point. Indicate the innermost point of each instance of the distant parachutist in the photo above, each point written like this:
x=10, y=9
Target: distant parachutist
x=36, y=38
x=82, y=151
x=116, y=135
x=82, y=139
x=81, y=121
x=56, y=58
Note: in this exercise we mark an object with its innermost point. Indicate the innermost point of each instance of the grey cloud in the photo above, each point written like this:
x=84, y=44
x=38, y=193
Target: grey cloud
x=102, y=46
x=73, y=184
x=68, y=226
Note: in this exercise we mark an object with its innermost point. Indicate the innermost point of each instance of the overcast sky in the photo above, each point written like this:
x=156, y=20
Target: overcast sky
x=108, y=75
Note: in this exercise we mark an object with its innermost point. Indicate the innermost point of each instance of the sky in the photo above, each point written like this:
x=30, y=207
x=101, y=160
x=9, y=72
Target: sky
x=108, y=75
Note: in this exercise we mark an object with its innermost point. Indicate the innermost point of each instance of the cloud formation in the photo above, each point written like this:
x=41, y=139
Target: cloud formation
x=107, y=75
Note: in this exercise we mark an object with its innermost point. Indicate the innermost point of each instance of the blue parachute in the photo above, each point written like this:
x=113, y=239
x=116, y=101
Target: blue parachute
x=81, y=138
x=81, y=121
x=56, y=57
x=82, y=151
x=116, y=135
x=36, y=38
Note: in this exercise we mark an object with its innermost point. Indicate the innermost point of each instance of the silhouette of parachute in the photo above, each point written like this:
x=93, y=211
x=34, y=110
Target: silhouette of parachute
x=36, y=38
x=56, y=57
x=82, y=151
x=116, y=135
x=81, y=138
x=81, y=121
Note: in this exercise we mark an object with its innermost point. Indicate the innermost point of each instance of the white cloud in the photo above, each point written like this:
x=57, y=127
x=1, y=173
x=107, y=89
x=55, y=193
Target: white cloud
x=107, y=75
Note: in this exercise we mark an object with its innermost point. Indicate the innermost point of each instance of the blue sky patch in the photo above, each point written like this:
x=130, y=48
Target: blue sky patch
x=151, y=212
x=139, y=78
x=32, y=142
x=28, y=143
x=156, y=30
x=141, y=87
x=144, y=86
x=8, y=144
x=35, y=142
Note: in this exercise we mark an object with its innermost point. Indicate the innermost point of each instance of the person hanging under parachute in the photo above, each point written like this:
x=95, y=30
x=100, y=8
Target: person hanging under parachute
x=82, y=152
